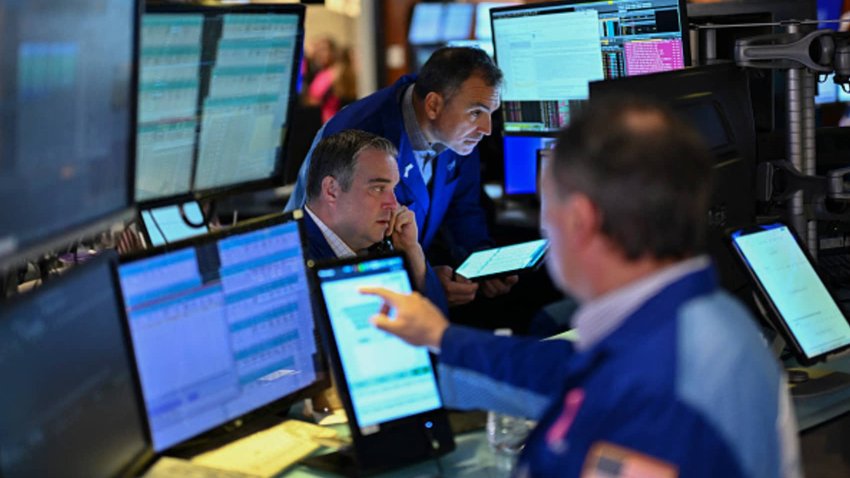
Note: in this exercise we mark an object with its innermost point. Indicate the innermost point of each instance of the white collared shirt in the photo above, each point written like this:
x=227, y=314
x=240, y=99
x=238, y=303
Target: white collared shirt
x=598, y=318
x=340, y=248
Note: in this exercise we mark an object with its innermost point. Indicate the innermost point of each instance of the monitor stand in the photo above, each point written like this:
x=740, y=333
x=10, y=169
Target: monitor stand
x=806, y=387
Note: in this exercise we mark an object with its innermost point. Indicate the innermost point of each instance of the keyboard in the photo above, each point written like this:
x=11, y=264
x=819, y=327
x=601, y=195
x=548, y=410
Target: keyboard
x=268, y=452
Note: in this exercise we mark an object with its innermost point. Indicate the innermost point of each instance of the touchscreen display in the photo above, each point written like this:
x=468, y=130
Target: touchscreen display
x=165, y=224
x=503, y=259
x=387, y=379
x=788, y=278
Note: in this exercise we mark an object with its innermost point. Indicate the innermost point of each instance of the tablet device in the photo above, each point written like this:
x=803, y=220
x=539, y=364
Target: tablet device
x=388, y=387
x=798, y=302
x=504, y=261
x=167, y=224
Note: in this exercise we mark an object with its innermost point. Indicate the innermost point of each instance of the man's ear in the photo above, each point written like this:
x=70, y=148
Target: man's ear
x=434, y=103
x=330, y=189
x=584, y=220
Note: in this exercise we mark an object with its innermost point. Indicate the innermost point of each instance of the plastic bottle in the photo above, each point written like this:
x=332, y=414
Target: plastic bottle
x=506, y=434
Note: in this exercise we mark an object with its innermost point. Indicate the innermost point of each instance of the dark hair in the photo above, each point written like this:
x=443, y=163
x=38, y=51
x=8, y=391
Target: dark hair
x=336, y=156
x=648, y=173
x=448, y=67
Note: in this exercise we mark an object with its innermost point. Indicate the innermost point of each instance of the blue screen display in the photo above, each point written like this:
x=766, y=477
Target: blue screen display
x=220, y=329
x=381, y=390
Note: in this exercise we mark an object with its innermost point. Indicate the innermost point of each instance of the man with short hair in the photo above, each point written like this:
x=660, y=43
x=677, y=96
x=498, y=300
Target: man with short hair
x=436, y=121
x=669, y=374
x=351, y=206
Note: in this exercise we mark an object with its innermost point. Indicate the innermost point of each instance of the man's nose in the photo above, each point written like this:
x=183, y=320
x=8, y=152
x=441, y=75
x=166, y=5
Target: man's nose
x=390, y=201
x=485, y=125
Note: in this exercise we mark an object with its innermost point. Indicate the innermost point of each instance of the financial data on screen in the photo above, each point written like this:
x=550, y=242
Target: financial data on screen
x=792, y=284
x=549, y=53
x=387, y=378
x=220, y=329
x=214, y=99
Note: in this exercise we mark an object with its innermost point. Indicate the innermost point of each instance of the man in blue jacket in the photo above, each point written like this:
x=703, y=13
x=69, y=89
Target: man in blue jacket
x=436, y=121
x=669, y=374
x=351, y=206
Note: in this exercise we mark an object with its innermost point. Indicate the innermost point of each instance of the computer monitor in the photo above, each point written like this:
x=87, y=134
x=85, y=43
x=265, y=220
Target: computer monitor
x=70, y=404
x=715, y=99
x=67, y=113
x=483, y=30
x=217, y=84
x=426, y=24
x=222, y=325
x=457, y=21
x=549, y=52
x=521, y=163
x=172, y=223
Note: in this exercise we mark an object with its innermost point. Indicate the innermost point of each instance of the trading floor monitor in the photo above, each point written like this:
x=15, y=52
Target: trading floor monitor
x=222, y=325
x=549, y=53
x=70, y=404
x=217, y=84
x=67, y=116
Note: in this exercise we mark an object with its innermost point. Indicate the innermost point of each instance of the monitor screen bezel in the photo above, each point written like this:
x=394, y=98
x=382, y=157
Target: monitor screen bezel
x=683, y=22
x=774, y=317
x=275, y=179
x=322, y=381
x=332, y=350
x=106, y=259
x=19, y=253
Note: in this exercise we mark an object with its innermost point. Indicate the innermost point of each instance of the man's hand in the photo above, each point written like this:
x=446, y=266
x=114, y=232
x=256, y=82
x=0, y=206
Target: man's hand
x=405, y=237
x=417, y=320
x=403, y=230
x=498, y=286
x=459, y=290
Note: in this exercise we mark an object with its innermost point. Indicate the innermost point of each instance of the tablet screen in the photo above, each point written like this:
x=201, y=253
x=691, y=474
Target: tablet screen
x=501, y=260
x=386, y=378
x=165, y=224
x=787, y=277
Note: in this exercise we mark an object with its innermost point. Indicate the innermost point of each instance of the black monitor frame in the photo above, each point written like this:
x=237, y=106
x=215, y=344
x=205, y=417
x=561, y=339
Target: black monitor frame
x=108, y=259
x=725, y=87
x=276, y=178
x=567, y=4
x=17, y=254
x=214, y=435
x=394, y=443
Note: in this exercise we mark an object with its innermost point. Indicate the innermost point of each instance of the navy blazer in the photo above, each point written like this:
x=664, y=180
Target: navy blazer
x=319, y=249
x=454, y=197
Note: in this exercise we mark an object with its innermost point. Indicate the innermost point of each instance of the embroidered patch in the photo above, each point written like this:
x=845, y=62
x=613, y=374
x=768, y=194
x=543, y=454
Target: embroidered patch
x=606, y=460
x=556, y=435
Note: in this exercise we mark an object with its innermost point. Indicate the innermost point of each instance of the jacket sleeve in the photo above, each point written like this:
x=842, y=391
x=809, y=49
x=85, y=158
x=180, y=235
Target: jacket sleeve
x=434, y=290
x=513, y=375
x=465, y=217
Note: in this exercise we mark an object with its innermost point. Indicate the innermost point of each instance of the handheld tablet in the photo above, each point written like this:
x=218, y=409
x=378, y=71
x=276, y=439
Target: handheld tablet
x=388, y=387
x=802, y=308
x=504, y=261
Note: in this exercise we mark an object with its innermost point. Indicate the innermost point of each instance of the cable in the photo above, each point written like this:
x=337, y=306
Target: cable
x=156, y=224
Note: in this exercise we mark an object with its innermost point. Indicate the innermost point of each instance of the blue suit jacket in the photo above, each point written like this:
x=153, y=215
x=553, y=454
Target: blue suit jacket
x=454, y=196
x=319, y=249
x=686, y=378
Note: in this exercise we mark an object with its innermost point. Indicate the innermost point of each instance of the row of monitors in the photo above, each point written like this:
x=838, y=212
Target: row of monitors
x=200, y=334
x=103, y=105
x=434, y=23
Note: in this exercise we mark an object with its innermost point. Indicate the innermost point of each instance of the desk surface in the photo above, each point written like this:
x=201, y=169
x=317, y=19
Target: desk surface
x=815, y=410
x=472, y=458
